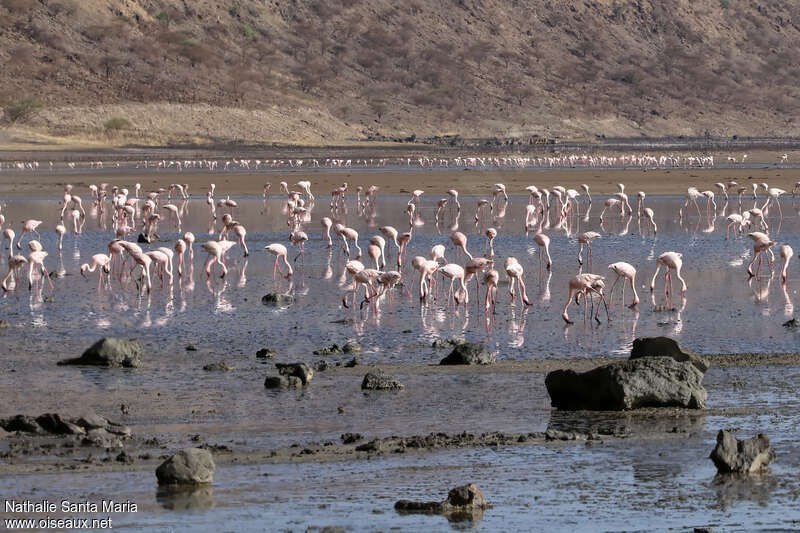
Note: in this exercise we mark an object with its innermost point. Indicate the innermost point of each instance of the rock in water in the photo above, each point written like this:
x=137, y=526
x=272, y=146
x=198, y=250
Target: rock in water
x=110, y=352
x=276, y=298
x=666, y=347
x=469, y=354
x=190, y=466
x=463, y=503
x=732, y=455
x=631, y=384
x=351, y=347
x=265, y=353
x=218, y=366
x=298, y=370
x=378, y=380
x=446, y=343
x=793, y=323
x=282, y=382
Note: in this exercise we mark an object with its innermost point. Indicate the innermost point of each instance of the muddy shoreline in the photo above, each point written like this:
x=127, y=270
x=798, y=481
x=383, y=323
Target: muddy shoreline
x=36, y=454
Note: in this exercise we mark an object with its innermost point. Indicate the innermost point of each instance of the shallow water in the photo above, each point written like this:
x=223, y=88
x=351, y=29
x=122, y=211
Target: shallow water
x=225, y=319
x=233, y=321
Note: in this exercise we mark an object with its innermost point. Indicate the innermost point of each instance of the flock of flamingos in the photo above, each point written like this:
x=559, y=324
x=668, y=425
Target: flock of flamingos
x=136, y=216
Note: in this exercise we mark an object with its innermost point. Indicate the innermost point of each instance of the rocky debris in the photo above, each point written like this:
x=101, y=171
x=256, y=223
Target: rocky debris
x=666, y=347
x=466, y=500
x=469, y=354
x=218, y=366
x=378, y=380
x=191, y=348
x=732, y=455
x=7, y=434
x=100, y=438
x=631, y=384
x=350, y=438
x=4, y=324
x=793, y=323
x=124, y=457
x=278, y=299
x=556, y=434
x=282, y=382
x=298, y=370
x=351, y=347
x=143, y=239
x=190, y=466
x=56, y=424
x=354, y=362
x=447, y=343
x=322, y=365
x=265, y=353
x=110, y=352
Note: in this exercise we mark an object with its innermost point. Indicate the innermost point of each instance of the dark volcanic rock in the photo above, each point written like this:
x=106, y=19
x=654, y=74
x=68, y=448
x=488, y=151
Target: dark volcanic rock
x=110, y=352
x=469, y=354
x=732, y=455
x=218, y=366
x=447, y=343
x=350, y=438
x=351, y=347
x=275, y=298
x=265, y=353
x=298, y=370
x=666, y=347
x=333, y=349
x=190, y=466
x=463, y=503
x=55, y=424
x=22, y=423
x=631, y=384
x=282, y=382
x=793, y=323
x=352, y=363
x=100, y=438
x=378, y=380
x=322, y=365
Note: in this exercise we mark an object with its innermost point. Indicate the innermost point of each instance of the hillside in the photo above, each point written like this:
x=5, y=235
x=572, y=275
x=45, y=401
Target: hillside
x=334, y=71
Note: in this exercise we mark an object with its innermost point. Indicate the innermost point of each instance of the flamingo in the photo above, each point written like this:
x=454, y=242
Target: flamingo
x=490, y=279
x=15, y=263
x=586, y=238
x=514, y=271
x=543, y=241
x=216, y=250
x=671, y=261
x=786, y=254
x=60, y=231
x=280, y=252
x=28, y=226
x=98, y=261
x=459, y=240
x=455, y=272
x=584, y=284
x=761, y=244
x=628, y=272
x=327, y=223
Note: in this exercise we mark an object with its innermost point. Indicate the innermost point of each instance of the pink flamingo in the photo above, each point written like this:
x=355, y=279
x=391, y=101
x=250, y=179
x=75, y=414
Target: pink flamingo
x=350, y=233
x=327, y=223
x=426, y=269
x=28, y=226
x=15, y=263
x=514, y=271
x=491, y=234
x=472, y=268
x=161, y=261
x=36, y=260
x=240, y=232
x=454, y=197
x=143, y=260
x=280, y=252
x=455, y=272
x=459, y=240
x=586, y=238
x=98, y=261
x=786, y=254
x=543, y=241
x=299, y=238
x=180, y=248
x=391, y=233
x=216, y=250
x=189, y=238
x=437, y=252
x=627, y=271
x=648, y=213
x=402, y=240
x=761, y=243
x=60, y=231
x=173, y=212
x=380, y=242
x=490, y=279
x=584, y=284
x=671, y=261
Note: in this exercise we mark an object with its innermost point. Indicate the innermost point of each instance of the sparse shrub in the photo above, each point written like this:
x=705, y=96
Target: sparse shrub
x=163, y=18
x=117, y=123
x=249, y=32
x=23, y=109
x=234, y=12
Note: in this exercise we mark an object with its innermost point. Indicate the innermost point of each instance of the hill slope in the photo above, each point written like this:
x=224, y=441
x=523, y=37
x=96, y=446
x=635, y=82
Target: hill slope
x=329, y=71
